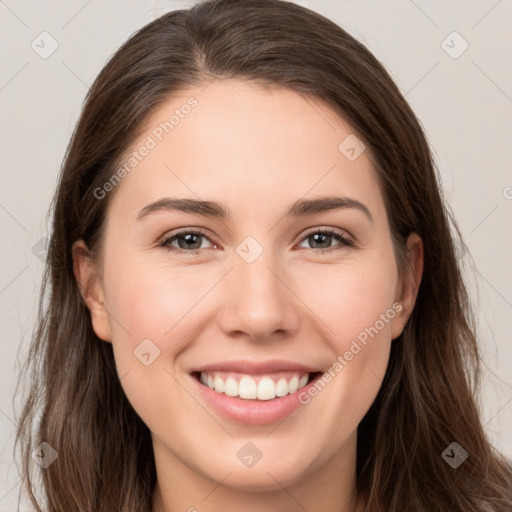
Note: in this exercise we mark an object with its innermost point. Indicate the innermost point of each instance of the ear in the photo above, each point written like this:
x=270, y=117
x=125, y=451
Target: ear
x=91, y=289
x=407, y=289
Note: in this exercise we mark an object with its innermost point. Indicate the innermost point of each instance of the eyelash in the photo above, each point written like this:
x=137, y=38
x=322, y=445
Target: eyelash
x=344, y=241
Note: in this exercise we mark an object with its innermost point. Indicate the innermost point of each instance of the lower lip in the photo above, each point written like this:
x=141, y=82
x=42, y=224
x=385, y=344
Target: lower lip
x=253, y=412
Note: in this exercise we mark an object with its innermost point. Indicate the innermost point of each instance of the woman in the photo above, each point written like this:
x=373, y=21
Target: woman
x=201, y=349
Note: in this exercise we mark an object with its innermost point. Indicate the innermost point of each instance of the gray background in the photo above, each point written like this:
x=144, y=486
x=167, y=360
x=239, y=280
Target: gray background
x=463, y=101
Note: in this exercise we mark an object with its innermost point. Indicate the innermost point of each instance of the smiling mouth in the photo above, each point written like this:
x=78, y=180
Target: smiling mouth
x=255, y=387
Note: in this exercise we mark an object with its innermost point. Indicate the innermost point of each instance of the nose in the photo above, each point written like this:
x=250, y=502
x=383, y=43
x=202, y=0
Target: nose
x=259, y=303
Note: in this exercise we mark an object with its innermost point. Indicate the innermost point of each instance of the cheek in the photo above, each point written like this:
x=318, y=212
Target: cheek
x=357, y=305
x=147, y=300
x=350, y=298
x=356, y=302
x=145, y=303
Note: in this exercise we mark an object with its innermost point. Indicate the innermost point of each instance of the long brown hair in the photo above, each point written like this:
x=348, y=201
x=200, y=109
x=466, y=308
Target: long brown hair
x=428, y=399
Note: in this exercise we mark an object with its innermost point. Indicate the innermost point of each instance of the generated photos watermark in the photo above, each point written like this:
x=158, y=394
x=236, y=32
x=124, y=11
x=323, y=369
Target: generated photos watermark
x=151, y=142
x=306, y=395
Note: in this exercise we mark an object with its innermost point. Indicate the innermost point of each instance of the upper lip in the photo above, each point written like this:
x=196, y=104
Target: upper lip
x=271, y=366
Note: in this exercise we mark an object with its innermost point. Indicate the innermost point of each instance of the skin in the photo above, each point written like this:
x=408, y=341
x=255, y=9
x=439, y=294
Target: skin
x=257, y=151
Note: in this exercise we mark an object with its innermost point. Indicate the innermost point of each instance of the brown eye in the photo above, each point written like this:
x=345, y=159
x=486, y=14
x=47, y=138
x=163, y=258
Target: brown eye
x=321, y=240
x=188, y=241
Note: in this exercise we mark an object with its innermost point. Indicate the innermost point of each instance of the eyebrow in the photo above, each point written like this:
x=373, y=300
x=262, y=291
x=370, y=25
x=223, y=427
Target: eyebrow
x=300, y=208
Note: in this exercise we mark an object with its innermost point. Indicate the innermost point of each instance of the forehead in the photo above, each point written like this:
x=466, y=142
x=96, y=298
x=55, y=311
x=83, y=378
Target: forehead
x=240, y=142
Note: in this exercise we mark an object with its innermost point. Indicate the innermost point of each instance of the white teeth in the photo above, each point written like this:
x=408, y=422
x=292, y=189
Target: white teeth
x=293, y=385
x=282, y=387
x=218, y=384
x=248, y=389
x=266, y=389
x=231, y=387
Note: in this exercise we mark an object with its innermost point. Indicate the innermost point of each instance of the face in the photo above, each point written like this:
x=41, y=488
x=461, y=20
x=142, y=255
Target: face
x=317, y=288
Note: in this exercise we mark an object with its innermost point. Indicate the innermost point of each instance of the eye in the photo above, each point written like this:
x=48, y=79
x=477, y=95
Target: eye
x=190, y=241
x=322, y=237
